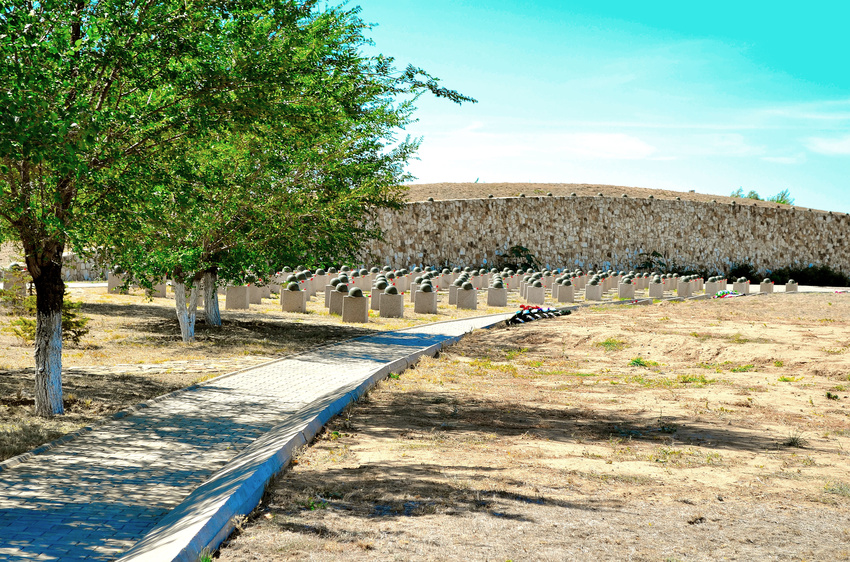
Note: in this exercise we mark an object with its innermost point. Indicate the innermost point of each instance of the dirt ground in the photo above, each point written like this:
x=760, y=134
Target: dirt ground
x=678, y=431
x=134, y=352
x=421, y=192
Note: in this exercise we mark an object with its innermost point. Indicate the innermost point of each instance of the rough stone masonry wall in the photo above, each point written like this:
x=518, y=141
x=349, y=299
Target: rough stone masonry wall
x=77, y=268
x=611, y=232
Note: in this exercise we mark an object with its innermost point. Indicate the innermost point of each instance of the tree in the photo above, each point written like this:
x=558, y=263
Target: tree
x=783, y=197
x=288, y=190
x=96, y=93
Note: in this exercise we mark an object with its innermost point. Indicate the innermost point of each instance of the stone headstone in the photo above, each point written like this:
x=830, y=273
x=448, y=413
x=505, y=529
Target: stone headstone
x=566, y=293
x=497, y=297
x=626, y=291
x=535, y=295
x=467, y=299
x=392, y=306
x=293, y=301
x=425, y=302
x=236, y=298
x=355, y=308
x=684, y=289
x=114, y=283
x=593, y=292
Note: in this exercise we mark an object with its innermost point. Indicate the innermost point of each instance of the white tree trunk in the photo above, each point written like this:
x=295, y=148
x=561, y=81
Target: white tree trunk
x=48, y=364
x=186, y=312
x=212, y=314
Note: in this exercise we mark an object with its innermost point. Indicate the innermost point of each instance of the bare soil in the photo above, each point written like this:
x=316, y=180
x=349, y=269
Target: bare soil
x=678, y=431
x=442, y=191
x=134, y=353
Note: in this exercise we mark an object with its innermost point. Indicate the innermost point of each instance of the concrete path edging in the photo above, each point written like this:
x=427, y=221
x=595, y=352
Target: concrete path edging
x=209, y=514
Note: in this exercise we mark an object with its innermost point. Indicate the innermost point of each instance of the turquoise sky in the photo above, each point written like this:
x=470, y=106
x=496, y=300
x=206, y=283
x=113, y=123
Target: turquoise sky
x=705, y=96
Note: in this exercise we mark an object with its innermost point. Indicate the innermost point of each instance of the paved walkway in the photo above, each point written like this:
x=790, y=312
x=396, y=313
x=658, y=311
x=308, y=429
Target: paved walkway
x=96, y=496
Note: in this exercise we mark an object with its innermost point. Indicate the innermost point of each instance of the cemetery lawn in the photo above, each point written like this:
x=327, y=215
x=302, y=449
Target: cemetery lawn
x=134, y=353
x=679, y=431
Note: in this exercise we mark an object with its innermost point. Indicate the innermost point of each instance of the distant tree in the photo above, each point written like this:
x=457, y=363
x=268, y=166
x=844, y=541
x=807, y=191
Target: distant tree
x=783, y=197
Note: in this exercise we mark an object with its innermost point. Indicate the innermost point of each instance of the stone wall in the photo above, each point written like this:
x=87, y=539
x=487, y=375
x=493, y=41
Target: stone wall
x=76, y=268
x=606, y=232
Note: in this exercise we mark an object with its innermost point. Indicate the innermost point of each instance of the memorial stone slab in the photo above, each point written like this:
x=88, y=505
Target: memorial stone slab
x=236, y=298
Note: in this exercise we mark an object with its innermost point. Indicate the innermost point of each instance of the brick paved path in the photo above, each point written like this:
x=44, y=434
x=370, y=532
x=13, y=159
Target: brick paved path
x=97, y=495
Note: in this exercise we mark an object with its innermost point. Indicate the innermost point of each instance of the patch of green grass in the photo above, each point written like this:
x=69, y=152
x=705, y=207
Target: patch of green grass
x=487, y=365
x=839, y=388
x=840, y=488
x=511, y=354
x=649, y=382
x=641, y=362
x=831, y=396
x=714, y=366
x=683, y=457
x=701, y=336
x=778, y=363
x=738, y=338
x=743, y=368
x=696, y=380
x=314, y=503
x=611, y=344
x=783, y=378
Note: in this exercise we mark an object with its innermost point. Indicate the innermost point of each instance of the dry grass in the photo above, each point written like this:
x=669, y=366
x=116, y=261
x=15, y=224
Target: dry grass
x=533, y=443
x=439, y=191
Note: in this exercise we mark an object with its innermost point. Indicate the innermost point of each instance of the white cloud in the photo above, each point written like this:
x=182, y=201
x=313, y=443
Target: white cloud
x=796, y=159
x=831, y=147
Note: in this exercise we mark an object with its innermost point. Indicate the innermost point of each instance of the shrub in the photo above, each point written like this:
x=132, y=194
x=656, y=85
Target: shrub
x=821, y=275
x=74, y=327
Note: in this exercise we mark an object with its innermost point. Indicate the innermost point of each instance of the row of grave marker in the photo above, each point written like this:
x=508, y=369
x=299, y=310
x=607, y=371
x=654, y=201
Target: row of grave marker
x=343, y=291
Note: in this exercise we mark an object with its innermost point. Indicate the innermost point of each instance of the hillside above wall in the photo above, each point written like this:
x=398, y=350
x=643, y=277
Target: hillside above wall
x=447, y=191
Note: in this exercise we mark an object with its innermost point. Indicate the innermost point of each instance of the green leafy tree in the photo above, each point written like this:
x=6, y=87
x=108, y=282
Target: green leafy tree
x=94, y=94
x=299, y=185
x=783, y=197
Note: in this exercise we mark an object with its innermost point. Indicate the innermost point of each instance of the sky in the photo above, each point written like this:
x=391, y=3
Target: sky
x=680, y=95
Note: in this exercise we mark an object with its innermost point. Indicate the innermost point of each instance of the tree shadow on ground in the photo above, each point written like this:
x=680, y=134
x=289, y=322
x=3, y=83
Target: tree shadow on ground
x=156, y=324
x=388, y=490
x=435, y=415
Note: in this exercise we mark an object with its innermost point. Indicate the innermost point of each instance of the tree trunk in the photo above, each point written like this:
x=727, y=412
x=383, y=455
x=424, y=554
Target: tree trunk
x=186, y=312
x=212, y=314
x=49, y=290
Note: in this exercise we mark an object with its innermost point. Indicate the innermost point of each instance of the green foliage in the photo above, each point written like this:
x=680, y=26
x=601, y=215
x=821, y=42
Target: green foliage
x=783, y=197
x=611, y=344
x=641, y=362
x=840, y=488
x=74, y=326
x=818, y=275
x=697, y=380
x=742, y=270
x=517, y=258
